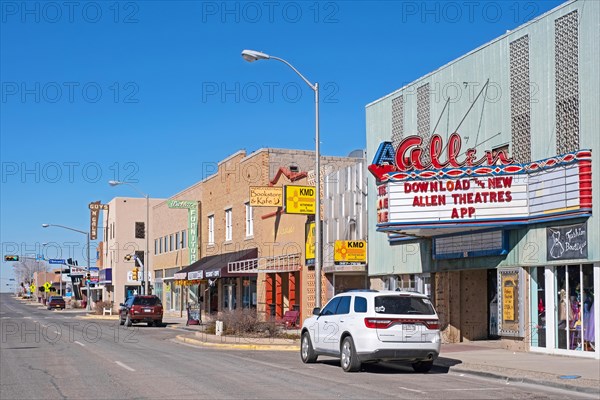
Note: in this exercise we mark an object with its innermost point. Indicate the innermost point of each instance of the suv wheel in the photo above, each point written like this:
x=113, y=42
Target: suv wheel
x=307, y=353
x=128, y=321
x=158, y=323
x=348, y=357
x=422, y=366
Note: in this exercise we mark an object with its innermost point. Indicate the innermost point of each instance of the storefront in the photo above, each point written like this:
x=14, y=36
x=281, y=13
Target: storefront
x=210, y=283
x=483, y=188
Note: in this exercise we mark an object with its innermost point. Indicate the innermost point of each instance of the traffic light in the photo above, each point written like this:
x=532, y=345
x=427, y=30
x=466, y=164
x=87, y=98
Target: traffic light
x=11, y=258
x=135, y=273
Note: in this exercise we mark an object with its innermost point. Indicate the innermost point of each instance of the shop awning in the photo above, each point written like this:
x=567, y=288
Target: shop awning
x=215, y=266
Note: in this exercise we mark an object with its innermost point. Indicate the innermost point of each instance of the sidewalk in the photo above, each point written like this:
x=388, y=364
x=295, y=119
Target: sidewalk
x=486, y=359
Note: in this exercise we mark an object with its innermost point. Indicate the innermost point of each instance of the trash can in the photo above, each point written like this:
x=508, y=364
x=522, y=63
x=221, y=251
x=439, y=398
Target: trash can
x=219, y=328
x=44, y=301
x=84, y=304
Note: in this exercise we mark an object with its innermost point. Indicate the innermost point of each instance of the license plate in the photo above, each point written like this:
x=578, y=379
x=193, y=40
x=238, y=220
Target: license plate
x=409, y=327
x=147, y=310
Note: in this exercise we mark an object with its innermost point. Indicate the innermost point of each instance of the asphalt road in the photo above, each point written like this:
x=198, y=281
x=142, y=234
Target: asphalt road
x=56, y=355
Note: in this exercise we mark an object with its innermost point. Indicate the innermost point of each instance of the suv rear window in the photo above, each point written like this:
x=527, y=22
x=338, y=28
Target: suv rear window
x=403, y=305
x=146, y=301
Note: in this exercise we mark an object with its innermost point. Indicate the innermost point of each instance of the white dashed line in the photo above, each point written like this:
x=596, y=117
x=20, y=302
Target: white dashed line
x=411, y=390
x=120, y=364
x=79, y=343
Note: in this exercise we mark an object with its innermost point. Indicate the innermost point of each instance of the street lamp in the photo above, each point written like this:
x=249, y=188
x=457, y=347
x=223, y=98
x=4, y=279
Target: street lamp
x=87, y=234
x=146, y=263
x=251, y=56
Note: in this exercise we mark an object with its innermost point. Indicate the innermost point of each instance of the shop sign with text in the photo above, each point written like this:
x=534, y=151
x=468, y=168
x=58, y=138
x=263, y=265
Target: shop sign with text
x=192, y=207
x=416, y=193
x=300, y=199
x=350, y=252
x=266, y=196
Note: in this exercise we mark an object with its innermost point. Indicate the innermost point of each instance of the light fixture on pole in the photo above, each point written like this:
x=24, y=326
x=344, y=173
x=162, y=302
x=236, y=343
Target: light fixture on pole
x=87, y=234
x=251, y=56
x=146, y=263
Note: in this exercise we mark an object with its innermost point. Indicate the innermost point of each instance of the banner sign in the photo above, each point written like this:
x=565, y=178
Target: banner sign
x=350, y=252
x=266, y=196
x=300, y=199
x=459, y=195
x=56, y=261
x=567, y=242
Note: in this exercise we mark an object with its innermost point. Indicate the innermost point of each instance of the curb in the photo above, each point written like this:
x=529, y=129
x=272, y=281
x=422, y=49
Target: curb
x=92, y=316
x=471, y=370
x=237, y=346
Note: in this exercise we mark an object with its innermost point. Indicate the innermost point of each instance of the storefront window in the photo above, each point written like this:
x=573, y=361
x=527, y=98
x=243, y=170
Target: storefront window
x=249, y=292
x=575, y=306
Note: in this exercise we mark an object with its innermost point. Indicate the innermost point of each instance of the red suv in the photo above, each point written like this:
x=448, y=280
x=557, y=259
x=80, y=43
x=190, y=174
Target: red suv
x=55, y=302
x=141, y=309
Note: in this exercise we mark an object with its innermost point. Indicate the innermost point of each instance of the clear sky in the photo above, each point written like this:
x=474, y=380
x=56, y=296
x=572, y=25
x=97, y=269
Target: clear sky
x=156, y=93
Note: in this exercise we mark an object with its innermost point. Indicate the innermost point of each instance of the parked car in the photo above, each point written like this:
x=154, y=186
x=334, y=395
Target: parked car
x=366, y=326
x=55, y=302
x=141, y=309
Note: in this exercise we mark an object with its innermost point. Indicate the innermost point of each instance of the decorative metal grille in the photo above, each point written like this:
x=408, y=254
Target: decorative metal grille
x=520, y=100
x=397, y=120
x=566, y=59
x=423, y=121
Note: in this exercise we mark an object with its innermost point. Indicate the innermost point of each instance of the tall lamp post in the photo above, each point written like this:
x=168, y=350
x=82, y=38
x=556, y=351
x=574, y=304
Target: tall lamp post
x=146, y=263
x=251, y=56
x=87, y=234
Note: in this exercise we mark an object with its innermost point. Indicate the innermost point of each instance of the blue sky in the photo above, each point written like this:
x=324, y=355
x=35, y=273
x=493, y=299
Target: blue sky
x=156, y=92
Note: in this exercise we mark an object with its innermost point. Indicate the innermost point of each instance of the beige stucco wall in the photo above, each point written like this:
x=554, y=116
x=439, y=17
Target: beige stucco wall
x=119, y=240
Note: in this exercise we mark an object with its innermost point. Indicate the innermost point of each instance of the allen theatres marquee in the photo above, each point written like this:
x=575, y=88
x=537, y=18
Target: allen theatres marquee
x=422, y=192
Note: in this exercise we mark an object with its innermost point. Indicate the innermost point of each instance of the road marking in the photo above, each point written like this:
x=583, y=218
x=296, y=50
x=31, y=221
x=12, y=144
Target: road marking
x=464, y=389
x=79, y=343
x=120, y=364
x=27, y=317
x=411, y=390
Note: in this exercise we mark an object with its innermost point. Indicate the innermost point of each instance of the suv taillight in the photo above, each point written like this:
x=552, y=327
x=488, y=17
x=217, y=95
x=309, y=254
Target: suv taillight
x=378, y=323
x=384, y=323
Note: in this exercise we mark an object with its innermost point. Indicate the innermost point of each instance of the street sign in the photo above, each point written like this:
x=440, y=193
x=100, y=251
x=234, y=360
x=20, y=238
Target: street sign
x=56, y=261
x=32, y=288
x=47, y=286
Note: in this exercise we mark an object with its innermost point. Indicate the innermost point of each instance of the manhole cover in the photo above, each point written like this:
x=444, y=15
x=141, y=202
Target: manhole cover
x=569, y=376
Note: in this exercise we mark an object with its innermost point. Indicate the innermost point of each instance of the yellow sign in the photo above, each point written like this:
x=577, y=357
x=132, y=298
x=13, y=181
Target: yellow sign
x=266, y=196
x=509, y=285
x=47, y=286
x=300, y=199
x=309, y=244
x=350, y=252
x=32, y=288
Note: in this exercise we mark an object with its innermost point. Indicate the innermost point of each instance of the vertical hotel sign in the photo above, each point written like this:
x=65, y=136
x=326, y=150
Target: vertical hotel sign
x=95, y=208
x=192, y=207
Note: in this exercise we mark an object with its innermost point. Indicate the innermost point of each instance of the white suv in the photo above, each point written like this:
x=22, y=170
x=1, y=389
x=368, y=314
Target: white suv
x=362, y=326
